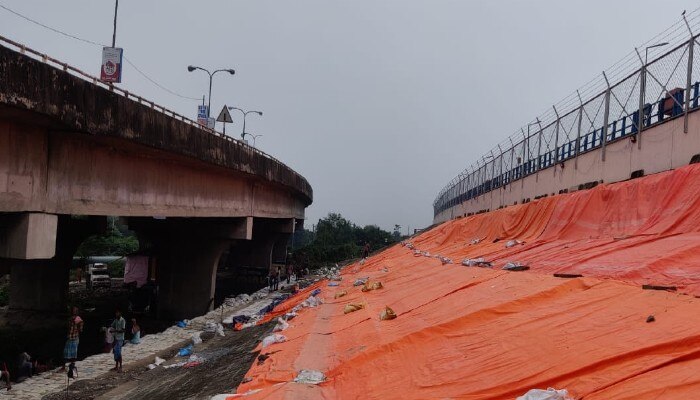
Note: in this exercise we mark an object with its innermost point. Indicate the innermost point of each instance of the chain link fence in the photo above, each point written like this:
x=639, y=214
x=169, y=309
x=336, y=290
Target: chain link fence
x=656, y=82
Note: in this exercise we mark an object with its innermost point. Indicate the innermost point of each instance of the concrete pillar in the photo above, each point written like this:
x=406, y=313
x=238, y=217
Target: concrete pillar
x=187, y=275
x=187, y=253
x=42, y=285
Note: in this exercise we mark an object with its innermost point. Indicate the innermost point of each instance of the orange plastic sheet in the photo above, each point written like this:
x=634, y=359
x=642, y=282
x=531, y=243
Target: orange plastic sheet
x=479, y=333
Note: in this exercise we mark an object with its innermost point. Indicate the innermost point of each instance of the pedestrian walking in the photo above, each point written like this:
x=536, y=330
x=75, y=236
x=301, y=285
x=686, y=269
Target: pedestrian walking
x=118, y=327
x=75, y=327
x=365, y=250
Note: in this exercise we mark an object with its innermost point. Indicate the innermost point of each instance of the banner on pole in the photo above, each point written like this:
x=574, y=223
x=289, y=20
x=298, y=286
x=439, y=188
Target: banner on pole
x=111, y=70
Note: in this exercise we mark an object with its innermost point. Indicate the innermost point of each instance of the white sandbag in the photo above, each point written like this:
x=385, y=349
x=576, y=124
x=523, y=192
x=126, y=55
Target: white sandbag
x=549, y=394
x=159, y=360
x=281, y=325
x=196, y=339
x=274, y=338
x=308, y=376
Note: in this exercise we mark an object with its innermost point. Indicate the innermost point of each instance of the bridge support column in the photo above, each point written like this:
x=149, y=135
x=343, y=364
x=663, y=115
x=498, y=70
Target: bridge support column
x=42, y=285
x=187, y=252
x=187, y=275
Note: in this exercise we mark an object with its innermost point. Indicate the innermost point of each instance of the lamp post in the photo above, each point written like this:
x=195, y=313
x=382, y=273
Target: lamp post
x=211, y=78
x=254, y=137
x=245, y=113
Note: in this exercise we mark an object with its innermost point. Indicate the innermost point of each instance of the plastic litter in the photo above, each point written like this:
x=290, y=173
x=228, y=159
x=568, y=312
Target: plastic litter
x=181, y=324
x=549, y=394
x=360, y=281
x=514, y=242
x=515, y=266
x=352, y=308
x=159, y=360
x=311, y=377
x=196, y=339
x=387, y=314
x=281, y=325
x=185, y=351
x=274, y=338
x=476, y=262
x=315, y=292
x=333, y=284
x=340, y=294
x=312, y=301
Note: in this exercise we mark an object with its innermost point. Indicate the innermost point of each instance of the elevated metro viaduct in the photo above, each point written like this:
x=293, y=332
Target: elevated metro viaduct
x=73, y=152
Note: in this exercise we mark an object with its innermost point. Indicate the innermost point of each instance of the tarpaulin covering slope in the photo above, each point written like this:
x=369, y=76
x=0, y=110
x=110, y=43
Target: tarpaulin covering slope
x=477, y=333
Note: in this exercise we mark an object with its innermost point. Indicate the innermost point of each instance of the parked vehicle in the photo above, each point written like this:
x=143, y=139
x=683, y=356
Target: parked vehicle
x=98, y=276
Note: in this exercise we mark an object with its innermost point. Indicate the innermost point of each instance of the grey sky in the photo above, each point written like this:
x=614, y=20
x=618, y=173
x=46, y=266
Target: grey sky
x=378, y=103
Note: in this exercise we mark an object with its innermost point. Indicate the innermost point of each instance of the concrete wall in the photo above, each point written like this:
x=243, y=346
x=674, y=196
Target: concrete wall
x=663, y=147
x=46, y=171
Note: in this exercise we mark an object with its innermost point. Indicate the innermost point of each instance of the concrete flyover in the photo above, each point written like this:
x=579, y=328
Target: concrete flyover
x=74, y=150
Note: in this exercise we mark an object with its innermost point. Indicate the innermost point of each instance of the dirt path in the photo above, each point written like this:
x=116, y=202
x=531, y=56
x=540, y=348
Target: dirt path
x=227, y=359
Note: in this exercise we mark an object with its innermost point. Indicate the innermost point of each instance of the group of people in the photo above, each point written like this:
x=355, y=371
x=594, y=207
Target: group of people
x=114, y=338
x=275, y=276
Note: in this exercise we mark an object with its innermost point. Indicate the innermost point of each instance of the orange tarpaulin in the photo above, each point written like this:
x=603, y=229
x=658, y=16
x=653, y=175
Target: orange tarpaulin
x=479, y=333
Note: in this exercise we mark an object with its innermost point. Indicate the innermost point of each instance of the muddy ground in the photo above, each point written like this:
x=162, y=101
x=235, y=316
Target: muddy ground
x=227, y=361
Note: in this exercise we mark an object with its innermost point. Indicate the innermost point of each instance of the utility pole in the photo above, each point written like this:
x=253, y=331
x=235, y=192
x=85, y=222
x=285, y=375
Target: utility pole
x=114, y=33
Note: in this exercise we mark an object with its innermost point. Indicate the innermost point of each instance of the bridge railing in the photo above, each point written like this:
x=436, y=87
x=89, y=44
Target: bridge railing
x=129, y=95
x=605, y=110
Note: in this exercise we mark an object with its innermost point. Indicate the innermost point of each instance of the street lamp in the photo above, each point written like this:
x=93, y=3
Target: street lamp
x=211, y=77
x=245, y=113
x=254, y=137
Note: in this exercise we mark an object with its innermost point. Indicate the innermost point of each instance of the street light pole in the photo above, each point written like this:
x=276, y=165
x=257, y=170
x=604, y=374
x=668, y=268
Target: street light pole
x=245, y=113
x=254, y=137
x=211, y=79
x=114, y=33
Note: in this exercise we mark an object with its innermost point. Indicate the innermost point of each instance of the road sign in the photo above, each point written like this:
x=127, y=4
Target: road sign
x=211, y=123
x=111, y=70
x=203, y=115
x=224, y=116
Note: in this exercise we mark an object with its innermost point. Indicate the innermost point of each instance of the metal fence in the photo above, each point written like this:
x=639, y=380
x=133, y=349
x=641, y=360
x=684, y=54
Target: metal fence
x=606, y=109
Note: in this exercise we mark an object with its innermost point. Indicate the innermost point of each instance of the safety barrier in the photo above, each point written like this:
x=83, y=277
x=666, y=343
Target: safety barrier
x=662, y=89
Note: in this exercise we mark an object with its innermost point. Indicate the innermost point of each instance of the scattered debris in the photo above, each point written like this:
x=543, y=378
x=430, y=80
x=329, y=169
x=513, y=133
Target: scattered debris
x=549, y=394
x=340, y=294
x=360, y=281
x=515, y=266
x=272, y=339
x=387, y=314
x=476, y=262
x=281, y=325
x=514, y=242
x=558, y=275
x=650, y=319
x=311, y=377
x=352, y=307
x=185, y=351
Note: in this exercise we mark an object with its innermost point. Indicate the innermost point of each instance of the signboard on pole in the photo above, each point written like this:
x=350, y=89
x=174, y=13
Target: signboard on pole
x=203, y=115
x=111, y=70
x=211, y=123
x=224, y=116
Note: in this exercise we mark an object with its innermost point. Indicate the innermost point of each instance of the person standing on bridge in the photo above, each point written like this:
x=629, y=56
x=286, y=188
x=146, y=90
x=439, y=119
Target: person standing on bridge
x=75, y=327
x=118, y=327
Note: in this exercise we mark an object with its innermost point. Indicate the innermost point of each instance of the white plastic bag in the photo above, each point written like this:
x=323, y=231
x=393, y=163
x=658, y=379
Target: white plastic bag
x=274, y=338
x=549, y=394
x=309, y=376
x=281, y=325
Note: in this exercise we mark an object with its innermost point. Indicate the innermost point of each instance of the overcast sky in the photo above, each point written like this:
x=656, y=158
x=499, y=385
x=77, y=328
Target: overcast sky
x=377, y=103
